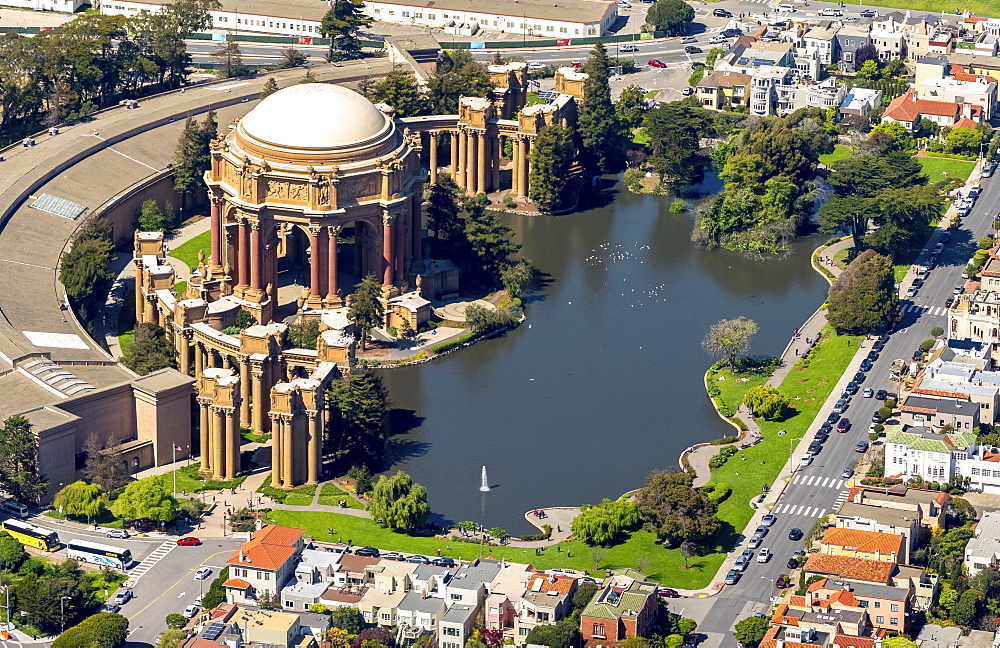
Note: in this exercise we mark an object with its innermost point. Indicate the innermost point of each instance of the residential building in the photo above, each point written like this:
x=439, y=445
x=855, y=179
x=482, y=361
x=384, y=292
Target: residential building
x=547, y=599
x=746, y=60
x=887, y=607
x=821, y=40
x=232, y=625
x=880, y=520
x=935, y=414
x=849, y=569
x=920, y=32
x=934, y=82
x=986, y=397
x=860, y=102
x=418, y=614
x=381, y=607
x=470, y=584
x=567, y=19
x=269, y=628
x=456, y=625
x=857, y=543
x=887, y=36
x=263, y=563
x=920, y=452
x=616, y=613
x=312, y=577
x=983, y=549
x=976, y=315
x=825, y=95
x=723, y=89
x=798, y=624
x=765, y=86
x=907, y=109
x=931, y=507
x=505, y=602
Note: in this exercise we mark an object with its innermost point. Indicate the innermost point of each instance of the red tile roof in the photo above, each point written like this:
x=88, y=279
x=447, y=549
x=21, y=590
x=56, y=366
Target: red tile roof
x=863, y=541
x=850, y=641
x=562, y=584
x=873, y=571
x=238, y=583
x=907, y=107
x=279, y=535
x=268, y=548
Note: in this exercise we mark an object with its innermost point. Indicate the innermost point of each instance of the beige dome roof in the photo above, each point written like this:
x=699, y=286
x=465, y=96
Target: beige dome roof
x=315, y=116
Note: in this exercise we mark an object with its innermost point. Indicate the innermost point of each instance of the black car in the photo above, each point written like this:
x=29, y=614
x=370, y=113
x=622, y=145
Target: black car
x=948, y=302
x=443, y=562
x=824, y=429
x=918, y=355
x=879, y=345
x=795, y=534
x=815, y=447
x=691, y=639
x=691, y=49
x=833, y=418
x=891, y=396
x=722, y=13
x=873, y=355
x=877, y=419
x=860, y=377
x=866, y=365
x=368, y=552
x=852, y=388
x=822, y=436
x=732, y=33
x=792, y=563
x=880, y=394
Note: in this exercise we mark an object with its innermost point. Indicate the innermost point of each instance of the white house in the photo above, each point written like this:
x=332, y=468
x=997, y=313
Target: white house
x=263, y=564
x=983, y=549
x=916, y=452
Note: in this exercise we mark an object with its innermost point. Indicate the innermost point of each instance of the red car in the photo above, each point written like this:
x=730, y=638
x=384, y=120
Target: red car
x=665, y=592
x=657, y=63
x=189, y=541
x=783, y=582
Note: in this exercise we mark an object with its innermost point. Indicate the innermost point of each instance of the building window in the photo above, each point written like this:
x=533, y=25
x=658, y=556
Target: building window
x=456, y=597
x=862, y=604
x=894, y=621
x=450, y=632
x=392, y=13
x=599, y=630
x=522, y=631
x=431, y=16
x=878, y=604
x=879, y=619
x=406, y=14
x=894, y=607
x=975, y=471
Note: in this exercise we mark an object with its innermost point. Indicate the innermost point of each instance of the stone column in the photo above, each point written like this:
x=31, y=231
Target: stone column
x=243, y=252
x=332, y=232
x=259, y=412
x=496, y=153
x=453, y=136
x=199, y=359
x=245, y=418
x=525, y=166
x=417, y=231
x=481, y=181
x=463, y=158
x=216, y=229
x=287, y=450
x=399, y=250
x=315, y=291
x=183, y=351
x=433, y=158
x=515, y=167
x=387, y=251
x=232, y=443
x=256, y=262
x=277, y=439
x=140, y=299
x=471, y=174
x=218, y=443
x=315, y=446
x=150, y=308
x=205, y=446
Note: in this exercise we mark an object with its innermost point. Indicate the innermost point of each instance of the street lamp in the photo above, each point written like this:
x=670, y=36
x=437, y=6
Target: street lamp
x=62, y=613
x=790, y=468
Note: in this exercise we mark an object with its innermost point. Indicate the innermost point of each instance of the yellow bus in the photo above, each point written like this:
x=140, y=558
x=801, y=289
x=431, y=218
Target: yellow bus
x=28, y=534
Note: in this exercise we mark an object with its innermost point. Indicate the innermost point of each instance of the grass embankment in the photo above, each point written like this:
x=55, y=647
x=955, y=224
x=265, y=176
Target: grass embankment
x=936, y=168
x=188, y=252
x=301, y=496
x=812, y=380
x=189, y=481
x=732, y=386
x=978, y=7
x=330, y=495
x=840, y=151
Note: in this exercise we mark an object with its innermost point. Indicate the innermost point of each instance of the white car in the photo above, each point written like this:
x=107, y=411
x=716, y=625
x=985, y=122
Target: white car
x=831, y=12
x=806, y=460
x=688, y=40
x=535, y=66
x=202, y=573
x=628, y=47
x=117, y=533
x=786, y=7
x=197, y=601
x=190, y=611
x=764, y=555
x=716, y=40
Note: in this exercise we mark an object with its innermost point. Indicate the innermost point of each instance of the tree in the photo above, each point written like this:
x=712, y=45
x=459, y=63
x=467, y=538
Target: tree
x=365, y=308
x=340, y=25
x=399, y=504
x=751, y=630
x=399, y=89
x=713, y=56
x=869, y=70
x=962, y=509
x=516, y=278
x=151, y=217
x=675, y=511
x=898, y=642
x=12, y=553
x=562, y=634
x=170, y=638
x=457, y=74
x=668, y=15
x=149, y=351
x=673, y=131
x=176, y=620
x=490, y=239
x=964, y=141
x=441, y=209
x=584, y=595
x=903, y=217
x=864, y=54
x=483, y=320
x=80, y=499
x=379, y=636
x=304, y=334
x=19, y=472
x=309, y=77
x=634, y=642
x=600, y=130
x=104, y=466
x=359, y=412
x=362, y=482
x=147, y=498
x=605, y=523
x=85, y=269
x=192, y=156
x=103, y=630
x=551, y=157
x=630, y=107
x=291, y=57
x=966, y=609
x=767, y=402
x=864, y=296
x=216, y=594
x=729, y=338
x=230, y=60
x=270, y=87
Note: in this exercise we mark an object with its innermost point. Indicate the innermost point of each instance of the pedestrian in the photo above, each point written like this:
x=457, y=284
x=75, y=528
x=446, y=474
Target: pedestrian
x=744, y=456
x=439, y=552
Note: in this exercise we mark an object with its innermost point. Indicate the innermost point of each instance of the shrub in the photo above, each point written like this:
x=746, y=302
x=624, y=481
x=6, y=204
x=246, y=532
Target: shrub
x=891, y=404
x=724, y=440
x=720, y=491
x=103, y=630
x=927, y=344
x=722, y=457
x=544, y=535
x=873, y=436
x=678, y=206
x=937, y=331
x=633, y=179
x=885, y=412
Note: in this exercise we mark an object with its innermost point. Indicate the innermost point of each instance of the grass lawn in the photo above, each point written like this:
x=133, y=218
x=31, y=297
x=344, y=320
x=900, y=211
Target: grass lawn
x=840, y=151
x=253, y=437
x=841, y=257
x=189, y=481
x=934, y=167
x=301, y=496
x=330, y=495
x=665, y=566
x=732, y=391
x=979, y=7
x=106, y=519
x=188, y=252
x=179, y=288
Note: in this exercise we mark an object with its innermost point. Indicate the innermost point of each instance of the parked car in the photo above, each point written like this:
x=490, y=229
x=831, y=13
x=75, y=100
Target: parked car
x=852, y=388
x=768, y=520
x=577, y=64
x=666, y=592
x=866, y=365
x=869, y=13
x=792, y=563
x=368, y=552
x=718, y=40
x=188, y=541
x=958, y=289
x=691, y=49
x=111, y=606
x=948, y=302
x=688, y=91
x=876, y=418
x=764, y=555
x=840, y=406
x=535, y=65
x=815, y=447
x=722, y=13
x=805, y=461
x=847, y=472
x=190, y=612
x=202, y=573
x=880, y=394
x=911, y=291
x=860, y=377
x=945, y=237
x=733, y=576
x=761, y=530
x=829, y=12
x=691, y=639
x=394, y=555
x=443, y=562
x=741, y=563
x=891, y=396
x=795, y=534
x=989, y=169
x=418, y=559
x=755, y=541
x=868, y=392
x=918, y=355
x=783, y=582
x=861, y=446
x=657, y=63
x=689, y=39
x=872, y=355
x=117, y=533
x=822, y=435
x=844, y=425
x=732, y=33
x=123, y=597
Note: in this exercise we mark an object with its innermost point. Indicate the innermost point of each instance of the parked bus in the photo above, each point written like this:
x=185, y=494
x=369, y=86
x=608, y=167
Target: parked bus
x=29, y=534
x=99, y=554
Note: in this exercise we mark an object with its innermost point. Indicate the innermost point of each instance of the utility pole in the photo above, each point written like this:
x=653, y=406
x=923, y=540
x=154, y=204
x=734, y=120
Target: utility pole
x=62, y=613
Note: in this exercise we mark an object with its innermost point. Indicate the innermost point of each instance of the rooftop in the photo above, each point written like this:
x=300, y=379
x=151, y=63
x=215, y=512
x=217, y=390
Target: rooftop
x=580, y=11
x=875, y=571
x=986, y=542
x=885, y=516
x=616, y=602
x=866, y=590
x=268, y=548
x=863, y=541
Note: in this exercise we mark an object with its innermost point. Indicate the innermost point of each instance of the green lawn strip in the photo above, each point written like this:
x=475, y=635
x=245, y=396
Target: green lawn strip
x=253, y=437
x=840, y=151
x=841, y=257
x=934, y=167
x=732, y=391
x=179, y=289
x=188, y=252
x=812, y=379
x=330, y=495
x=106, y=519
x=104, y=582
x=978, y=7
x=189, y=481
x=301, y=496
x=665, y=566
x=125, y=341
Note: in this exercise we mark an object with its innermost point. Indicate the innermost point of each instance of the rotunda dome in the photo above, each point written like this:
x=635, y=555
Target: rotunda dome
x=318, y=116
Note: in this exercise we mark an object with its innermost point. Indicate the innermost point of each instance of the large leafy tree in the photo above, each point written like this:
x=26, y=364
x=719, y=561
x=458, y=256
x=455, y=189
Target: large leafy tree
x=442, y=209
x=365, y=307
x=149, y=350
x=903, y=217
x=193, y=157
x=341, y=24
x=457, y=74
x=230, y=60
x=147, y=498
x=766, y=401
x=490, y=239
x=729, y=338
x=630, y=107
x=19, y=473
x=600, y=130
x=751, y=630
x=605, y=523
x=359, y=425
x=399, y=90
x=80, y=499
x=104, y=466
x=563, y=634
x=864, y=295
x=675, y=511
x=12, y=553
x=673, y=130
x=85, y=269
x=668, y=15
x=348, y=619
x=399, y=504
x=552, y=156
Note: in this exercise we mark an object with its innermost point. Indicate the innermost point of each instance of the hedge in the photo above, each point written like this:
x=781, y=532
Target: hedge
x=102, y=630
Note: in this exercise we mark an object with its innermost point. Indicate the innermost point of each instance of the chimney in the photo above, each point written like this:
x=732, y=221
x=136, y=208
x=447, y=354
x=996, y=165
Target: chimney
x=241, y=555
x=967, y=110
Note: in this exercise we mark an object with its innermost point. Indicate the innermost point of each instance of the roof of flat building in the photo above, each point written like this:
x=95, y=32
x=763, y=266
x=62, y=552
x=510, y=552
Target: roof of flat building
x=296, y=9
x=876, y=571
x=576, y=11
x=882, y=515
x=865, y=590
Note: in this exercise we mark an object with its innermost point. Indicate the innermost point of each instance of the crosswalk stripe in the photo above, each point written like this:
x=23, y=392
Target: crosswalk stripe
x=825, y=482
x=797, y=478
x=807, y=512
x=821, y=513
x=154, y=557
x=840, y=483
x=799, y=509
x=812, y=478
